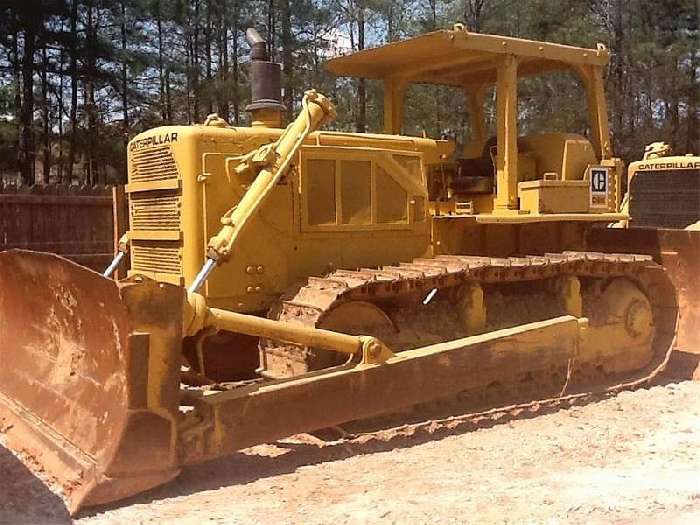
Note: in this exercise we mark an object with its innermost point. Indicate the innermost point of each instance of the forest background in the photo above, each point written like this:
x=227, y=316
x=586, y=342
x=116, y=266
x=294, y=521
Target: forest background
x=79, y=78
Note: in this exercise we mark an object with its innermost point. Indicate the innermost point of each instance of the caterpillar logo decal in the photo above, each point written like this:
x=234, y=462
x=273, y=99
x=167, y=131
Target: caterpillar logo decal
x=600, y=182
x=679, y=165
x=157, y=140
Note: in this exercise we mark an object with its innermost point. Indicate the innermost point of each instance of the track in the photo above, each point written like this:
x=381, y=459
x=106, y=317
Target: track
x=405, y=285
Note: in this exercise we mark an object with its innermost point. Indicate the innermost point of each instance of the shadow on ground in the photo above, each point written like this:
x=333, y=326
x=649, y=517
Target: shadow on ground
x=24, y=499
x=682, y=366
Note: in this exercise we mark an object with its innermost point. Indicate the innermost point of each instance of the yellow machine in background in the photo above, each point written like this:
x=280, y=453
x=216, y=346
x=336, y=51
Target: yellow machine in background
x=658, y=179
x=662, y=205
x=313, y=278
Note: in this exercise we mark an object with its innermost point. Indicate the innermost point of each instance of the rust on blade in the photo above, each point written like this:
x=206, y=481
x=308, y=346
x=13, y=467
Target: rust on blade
x=67, y=402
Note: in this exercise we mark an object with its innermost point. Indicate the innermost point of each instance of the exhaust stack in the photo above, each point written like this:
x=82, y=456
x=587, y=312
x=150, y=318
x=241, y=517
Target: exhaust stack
x=266, y=104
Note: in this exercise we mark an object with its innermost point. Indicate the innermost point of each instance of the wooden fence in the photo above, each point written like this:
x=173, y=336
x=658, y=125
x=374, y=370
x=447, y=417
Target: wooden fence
x=75, y=222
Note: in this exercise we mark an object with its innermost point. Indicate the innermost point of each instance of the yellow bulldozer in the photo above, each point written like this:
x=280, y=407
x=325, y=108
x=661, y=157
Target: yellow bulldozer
x=288, y=280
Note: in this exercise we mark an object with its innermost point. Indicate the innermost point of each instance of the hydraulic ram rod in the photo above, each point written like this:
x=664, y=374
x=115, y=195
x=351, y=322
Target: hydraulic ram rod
x=270, y=329
x=198, y=316
x=122, y=250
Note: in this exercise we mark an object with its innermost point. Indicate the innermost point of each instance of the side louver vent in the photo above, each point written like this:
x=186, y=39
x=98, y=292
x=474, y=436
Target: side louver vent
x=155, y=207
x=155, y=211
x=162, y=257
x=153, y=164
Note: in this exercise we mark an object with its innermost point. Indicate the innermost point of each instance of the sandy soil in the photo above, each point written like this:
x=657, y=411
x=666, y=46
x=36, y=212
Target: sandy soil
x=634, y=458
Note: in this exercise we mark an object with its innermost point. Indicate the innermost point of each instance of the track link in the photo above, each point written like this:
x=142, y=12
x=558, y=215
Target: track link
x=311, y=303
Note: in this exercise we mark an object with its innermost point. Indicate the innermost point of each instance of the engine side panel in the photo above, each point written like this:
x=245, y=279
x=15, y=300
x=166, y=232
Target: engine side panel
x=368, y=206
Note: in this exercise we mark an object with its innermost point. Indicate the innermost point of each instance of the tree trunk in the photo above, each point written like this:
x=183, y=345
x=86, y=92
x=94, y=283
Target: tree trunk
x=17, y=81
x=74, y=90
x=188, y=75
x=45, y=117
x=361, y=122
x=222, y=92
x=195, y=63
x=618, y=73
x=161, y=66
x=271, y=30
x=125, y=88
x=90, y=108
x=390, y=30
x=27, y=145
x=287, y=57
x=207, y=53
x=236, y=78
x=168, y=99
x=437, y=92
x=61, y=112
x=692, y=144
x=473, y=10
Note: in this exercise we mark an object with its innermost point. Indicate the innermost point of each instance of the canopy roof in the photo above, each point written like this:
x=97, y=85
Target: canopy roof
x=457, y=57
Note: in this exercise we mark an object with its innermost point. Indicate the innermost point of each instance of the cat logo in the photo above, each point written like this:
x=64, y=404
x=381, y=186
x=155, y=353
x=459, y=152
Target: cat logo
x=157, y=140
x=600, y=182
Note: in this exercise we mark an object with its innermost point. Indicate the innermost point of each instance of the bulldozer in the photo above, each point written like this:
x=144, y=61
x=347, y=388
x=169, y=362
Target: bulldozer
x=288, y=279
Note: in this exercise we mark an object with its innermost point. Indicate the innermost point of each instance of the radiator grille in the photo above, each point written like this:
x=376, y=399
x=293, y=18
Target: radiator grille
x=155, y=211
x=153, y=164
x=665, y=198
x=160, y=257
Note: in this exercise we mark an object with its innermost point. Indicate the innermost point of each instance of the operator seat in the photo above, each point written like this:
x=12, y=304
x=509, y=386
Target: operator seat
x=478, y=175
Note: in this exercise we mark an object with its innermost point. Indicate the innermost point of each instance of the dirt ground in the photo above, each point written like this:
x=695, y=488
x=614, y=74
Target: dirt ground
x=634, y=458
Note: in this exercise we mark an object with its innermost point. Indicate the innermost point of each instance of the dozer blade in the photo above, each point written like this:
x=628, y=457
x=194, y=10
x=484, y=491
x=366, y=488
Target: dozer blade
x=72, y=399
